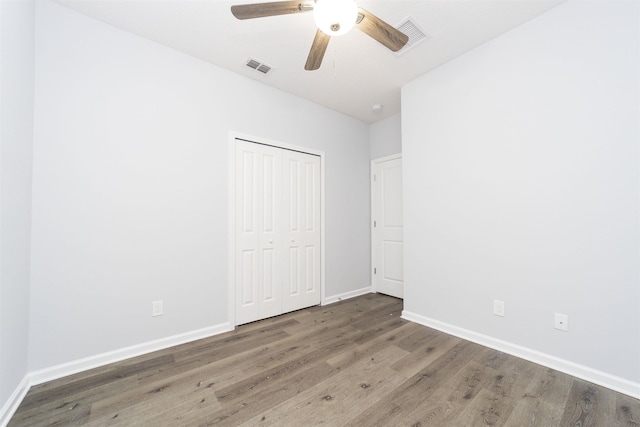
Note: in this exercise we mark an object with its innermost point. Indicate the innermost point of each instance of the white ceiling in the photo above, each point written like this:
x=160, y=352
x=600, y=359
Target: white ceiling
x=356, y=73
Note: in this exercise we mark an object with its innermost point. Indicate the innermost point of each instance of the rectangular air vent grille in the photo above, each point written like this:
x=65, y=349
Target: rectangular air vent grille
x=258, y=66
x=416, y=35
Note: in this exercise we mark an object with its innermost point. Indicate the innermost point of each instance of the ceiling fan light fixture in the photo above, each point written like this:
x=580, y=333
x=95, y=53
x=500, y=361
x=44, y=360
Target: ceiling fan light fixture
x=335, y=17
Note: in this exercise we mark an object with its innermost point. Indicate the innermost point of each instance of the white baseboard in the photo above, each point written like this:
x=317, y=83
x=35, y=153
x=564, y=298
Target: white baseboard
x=14, y=401
x=346, y=295
x=69, y=368
x=580, y=371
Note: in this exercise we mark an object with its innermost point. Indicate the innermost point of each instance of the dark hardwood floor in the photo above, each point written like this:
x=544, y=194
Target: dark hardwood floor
x=353, y=363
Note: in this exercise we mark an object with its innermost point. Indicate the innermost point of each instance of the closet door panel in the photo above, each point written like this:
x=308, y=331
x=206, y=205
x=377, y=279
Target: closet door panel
x=301, y=226
x=258, y=232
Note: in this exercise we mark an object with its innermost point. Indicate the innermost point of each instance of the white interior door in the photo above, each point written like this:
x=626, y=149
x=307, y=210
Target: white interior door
x=301, y=263
x=387, y=236
x=277, y=228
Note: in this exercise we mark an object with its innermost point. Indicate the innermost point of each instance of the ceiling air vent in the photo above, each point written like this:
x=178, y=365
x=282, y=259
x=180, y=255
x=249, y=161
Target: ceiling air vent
x=416, y=35
x=258, y=66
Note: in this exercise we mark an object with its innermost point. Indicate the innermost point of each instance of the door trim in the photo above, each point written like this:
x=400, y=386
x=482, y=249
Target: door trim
x=231, y=200
x=372, y=210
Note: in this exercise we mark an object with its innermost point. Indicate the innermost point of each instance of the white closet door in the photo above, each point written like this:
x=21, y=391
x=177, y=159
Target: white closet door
x=277, y=229
x=301, y=258
x=258, y=257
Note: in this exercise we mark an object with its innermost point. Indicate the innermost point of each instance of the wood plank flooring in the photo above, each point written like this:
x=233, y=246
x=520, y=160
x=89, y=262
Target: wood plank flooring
x=353, y=363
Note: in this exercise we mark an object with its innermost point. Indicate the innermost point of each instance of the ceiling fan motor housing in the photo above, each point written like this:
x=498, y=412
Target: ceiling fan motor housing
x=335, y=17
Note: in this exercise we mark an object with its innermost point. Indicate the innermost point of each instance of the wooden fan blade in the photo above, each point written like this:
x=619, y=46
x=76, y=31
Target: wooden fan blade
x=260, y=10
x=319, y=46
x=379, y=30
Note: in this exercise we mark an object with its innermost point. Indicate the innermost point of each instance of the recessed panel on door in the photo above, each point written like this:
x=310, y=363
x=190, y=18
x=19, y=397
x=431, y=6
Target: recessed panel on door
x=391, y=180
x=269, y=291
x=270, y=208
x=294, y=282
x=248, y=268
x=248, y=195
x=392, y=261
x=311, y=277
x=312, y=198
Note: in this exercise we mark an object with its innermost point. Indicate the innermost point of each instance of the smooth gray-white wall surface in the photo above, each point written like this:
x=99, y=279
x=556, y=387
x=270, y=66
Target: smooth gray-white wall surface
x=16, y=142
x=521, y=162
x=131, y=186
x=385, y=137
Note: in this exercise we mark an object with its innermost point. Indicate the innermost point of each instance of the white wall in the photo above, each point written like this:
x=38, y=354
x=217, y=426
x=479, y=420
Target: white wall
x=521, y=183
x=16, y=144
x=385, y=137
x=131, y=186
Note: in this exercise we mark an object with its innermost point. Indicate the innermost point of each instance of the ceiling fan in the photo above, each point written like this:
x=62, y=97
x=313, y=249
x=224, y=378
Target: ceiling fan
x=333, y=18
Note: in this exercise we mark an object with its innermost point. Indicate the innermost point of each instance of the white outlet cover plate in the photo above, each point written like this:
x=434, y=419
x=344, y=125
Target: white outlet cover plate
x=498, y=307
x=157, y=309
x=561, y=322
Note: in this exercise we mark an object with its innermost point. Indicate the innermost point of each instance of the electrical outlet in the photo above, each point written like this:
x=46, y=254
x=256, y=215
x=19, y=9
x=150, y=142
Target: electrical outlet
x=157, y=309
x=498, y=307
x=561, y=322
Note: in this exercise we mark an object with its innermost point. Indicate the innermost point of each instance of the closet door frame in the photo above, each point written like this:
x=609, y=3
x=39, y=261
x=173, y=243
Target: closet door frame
x=233, y=136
